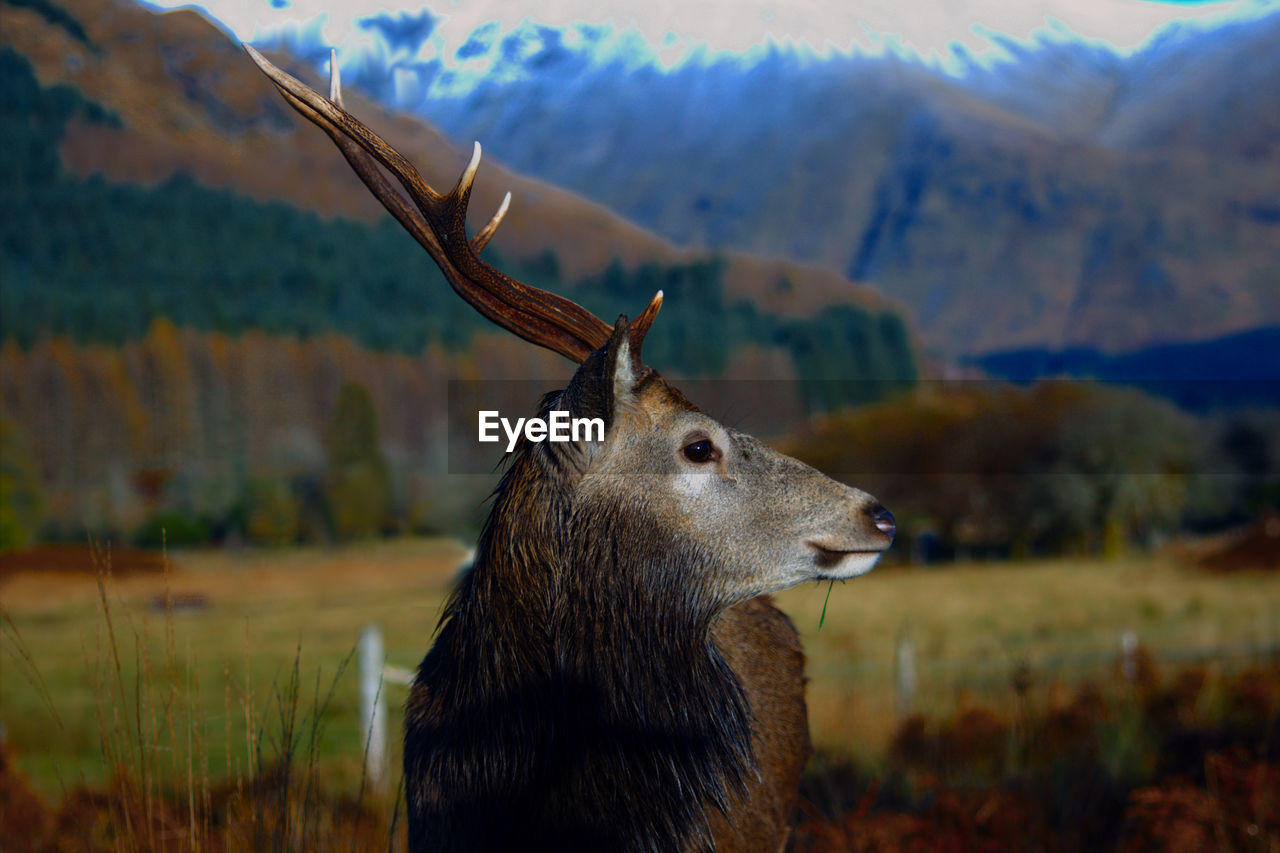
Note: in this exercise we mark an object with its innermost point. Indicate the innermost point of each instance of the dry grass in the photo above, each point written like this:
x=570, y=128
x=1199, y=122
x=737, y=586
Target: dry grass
x=268, y=611
x=973, y=626
x=230, y=663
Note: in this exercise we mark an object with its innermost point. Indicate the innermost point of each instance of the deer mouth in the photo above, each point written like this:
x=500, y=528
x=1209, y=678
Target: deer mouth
x=842, y=563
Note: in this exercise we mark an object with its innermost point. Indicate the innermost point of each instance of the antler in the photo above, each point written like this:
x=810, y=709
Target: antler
x=438, y=222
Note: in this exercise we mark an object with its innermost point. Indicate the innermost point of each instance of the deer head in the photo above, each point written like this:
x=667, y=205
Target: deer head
x=601, y=573
x=752, y=520
x=777, y=521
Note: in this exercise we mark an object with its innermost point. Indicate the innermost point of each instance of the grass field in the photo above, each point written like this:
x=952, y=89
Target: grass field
x=210, y=692
x=974, y=626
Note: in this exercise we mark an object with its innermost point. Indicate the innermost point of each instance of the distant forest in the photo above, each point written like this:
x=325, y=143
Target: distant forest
x=99, y=262
x=184, y=365
x=181, y=364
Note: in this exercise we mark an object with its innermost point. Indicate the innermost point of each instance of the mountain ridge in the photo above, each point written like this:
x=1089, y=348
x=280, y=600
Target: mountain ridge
x=1066, y=196
x=1231, y=371
x=190, y=102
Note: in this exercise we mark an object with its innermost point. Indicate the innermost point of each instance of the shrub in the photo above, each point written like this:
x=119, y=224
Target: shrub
x=174, y=529
x=272, y=516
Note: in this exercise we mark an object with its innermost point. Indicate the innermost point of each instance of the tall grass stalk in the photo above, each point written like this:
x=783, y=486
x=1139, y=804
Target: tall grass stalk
x=275, y=797
x=21, y=655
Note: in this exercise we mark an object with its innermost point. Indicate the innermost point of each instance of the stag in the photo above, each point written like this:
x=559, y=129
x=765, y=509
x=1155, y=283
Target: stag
x=611, y=673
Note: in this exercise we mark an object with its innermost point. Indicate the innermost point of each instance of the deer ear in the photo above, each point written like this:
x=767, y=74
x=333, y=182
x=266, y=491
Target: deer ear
x=605, y=384
x=622, y=364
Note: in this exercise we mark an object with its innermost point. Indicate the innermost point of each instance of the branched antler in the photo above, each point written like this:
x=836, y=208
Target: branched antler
x=438, y=222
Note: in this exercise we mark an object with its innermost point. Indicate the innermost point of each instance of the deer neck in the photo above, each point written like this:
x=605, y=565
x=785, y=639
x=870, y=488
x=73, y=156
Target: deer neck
x=600, y=658
x=601, y=591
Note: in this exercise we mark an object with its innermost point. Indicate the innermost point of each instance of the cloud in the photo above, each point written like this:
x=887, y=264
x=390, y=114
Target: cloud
x=927, y=27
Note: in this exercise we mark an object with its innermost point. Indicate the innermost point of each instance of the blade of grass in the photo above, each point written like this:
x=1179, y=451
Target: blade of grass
x=823, y=617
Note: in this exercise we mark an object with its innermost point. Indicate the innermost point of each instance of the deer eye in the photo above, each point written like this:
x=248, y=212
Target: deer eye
x=701, y=451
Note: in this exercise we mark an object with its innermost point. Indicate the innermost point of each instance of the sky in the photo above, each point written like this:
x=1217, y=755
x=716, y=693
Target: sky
x=932, y=29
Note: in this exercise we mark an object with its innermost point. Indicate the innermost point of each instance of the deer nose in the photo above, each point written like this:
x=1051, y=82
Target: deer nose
x=883, y=520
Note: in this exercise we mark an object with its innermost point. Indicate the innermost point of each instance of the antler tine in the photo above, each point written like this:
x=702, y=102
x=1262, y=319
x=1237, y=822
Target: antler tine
x=486, y=233
x=640, y=327
x=335, y=79
x=460, y=198
x=438, y=223
x=463, y=193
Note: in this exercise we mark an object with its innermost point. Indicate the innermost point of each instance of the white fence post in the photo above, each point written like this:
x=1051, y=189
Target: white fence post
x=373, y=707
x=1129, y=655
x=904, y=665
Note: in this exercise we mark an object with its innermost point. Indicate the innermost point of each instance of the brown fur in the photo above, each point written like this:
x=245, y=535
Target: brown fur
x=763, y=650
x=600, y=680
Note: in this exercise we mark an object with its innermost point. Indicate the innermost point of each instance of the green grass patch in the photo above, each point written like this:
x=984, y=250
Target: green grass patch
x=204, y=695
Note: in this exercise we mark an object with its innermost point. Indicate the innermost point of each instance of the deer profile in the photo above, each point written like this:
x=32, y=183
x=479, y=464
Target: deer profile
x=610, y=675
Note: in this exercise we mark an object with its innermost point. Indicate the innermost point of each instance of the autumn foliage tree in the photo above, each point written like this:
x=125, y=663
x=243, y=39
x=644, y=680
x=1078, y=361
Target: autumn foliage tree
x=358, y=479
x=1058, y=466
x=21, y=495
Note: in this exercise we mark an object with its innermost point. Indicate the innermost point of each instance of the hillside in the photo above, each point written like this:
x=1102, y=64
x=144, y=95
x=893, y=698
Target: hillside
x=176, y=337
x=1065, y=196
x=102, y=262
x=188, y=102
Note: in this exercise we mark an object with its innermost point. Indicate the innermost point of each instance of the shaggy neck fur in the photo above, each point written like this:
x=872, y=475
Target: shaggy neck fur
x=573, y=699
